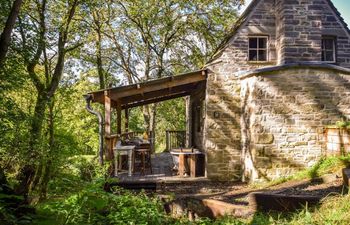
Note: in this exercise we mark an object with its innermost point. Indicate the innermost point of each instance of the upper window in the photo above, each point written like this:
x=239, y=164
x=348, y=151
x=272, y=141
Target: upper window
x=258, y=49
x=328, y=49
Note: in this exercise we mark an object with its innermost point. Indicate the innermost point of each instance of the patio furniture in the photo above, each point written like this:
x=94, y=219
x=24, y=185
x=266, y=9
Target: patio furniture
x=182, y=153
x=124, y=150
x=145, y=155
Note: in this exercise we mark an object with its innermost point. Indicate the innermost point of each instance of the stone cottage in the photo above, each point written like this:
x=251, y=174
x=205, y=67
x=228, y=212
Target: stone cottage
x=283, y=75
x=259, y=107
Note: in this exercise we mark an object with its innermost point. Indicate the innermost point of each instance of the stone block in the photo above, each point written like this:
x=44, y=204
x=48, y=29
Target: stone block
x=264, y=138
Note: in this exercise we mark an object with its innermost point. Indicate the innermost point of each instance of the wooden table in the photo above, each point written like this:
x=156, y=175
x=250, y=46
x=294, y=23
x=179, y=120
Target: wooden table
x=124, y=150
x=182, y=152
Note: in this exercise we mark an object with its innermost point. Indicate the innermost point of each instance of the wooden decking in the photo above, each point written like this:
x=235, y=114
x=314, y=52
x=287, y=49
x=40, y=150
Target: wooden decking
x=162, y=165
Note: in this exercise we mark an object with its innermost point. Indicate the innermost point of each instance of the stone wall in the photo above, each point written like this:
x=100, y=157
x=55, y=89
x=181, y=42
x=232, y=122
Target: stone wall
x=284, y=113
x=234, y=57
x=222, y=128
x=300, y=26
x=294, y=28
x=223, y=111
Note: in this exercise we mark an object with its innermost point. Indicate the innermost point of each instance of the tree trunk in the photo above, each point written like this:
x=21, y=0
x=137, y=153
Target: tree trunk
x=6, y=34
x=146, y=117
x=47, y=168
x=153, y=114
x=26, y=176
x=100, y=71
x=45, y=180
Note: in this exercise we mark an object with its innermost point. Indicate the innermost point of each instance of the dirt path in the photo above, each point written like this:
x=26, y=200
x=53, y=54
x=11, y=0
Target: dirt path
x=237, y=193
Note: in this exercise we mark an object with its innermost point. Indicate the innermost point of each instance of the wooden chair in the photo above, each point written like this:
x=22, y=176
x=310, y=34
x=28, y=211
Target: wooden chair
x=145, y=158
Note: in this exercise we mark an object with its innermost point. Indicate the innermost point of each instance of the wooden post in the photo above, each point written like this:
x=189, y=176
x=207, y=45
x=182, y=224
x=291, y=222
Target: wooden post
x=193, y=165
x=167, y=135
x=181, y=164
x=188, y=122
x=119, y=117
x=126, y=120
x=108, y=111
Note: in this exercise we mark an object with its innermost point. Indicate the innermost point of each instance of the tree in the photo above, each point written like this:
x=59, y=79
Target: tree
x=44, y=55
x=6, y=33
x=151, y=39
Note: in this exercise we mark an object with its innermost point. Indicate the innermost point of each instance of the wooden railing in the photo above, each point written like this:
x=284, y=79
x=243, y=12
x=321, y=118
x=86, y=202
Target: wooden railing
x=175, y=139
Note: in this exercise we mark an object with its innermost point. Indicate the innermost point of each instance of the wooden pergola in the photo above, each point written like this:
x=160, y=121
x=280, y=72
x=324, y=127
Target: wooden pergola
x=130, y=96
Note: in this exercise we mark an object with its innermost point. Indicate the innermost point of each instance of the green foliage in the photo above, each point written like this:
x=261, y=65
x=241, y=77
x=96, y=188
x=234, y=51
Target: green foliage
x=342, y=124
x=324, y=166
x=345, y=160
x=171, y=115
x=93, y=205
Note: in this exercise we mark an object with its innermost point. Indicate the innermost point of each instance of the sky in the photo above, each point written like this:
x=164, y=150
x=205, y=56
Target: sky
x=343, y=7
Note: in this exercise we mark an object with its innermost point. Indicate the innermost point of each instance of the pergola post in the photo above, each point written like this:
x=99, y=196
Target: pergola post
x=126, y=120
x=108, y=111
x=188, y=121
x=119, y=117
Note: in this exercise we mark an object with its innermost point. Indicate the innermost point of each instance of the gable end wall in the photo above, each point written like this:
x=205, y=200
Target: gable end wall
x=226, y=128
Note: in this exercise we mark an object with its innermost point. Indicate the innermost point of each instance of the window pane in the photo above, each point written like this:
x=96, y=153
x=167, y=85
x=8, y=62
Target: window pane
x=328, y=44
x=262, y=42
x=262, y=55
x=329, y=56
x=253, y=55
x=253, y=42
x=323, y=56
x=328, y=50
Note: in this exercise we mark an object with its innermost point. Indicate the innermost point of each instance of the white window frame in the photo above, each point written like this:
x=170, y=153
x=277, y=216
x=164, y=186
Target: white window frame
x=324, y=48
x=257, y=49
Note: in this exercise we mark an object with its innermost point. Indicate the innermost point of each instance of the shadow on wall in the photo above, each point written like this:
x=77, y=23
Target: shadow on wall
x=223, y=133
x=283, y=115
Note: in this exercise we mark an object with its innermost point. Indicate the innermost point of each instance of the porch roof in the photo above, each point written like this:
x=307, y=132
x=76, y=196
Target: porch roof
x=152, y=91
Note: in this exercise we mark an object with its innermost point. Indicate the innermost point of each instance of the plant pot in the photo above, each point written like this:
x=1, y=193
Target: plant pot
x=333, y=141
x=337, y=141
x=346, y=176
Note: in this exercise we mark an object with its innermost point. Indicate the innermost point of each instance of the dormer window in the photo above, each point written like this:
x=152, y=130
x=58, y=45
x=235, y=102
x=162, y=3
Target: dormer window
x=258, y=49
x=328, y=49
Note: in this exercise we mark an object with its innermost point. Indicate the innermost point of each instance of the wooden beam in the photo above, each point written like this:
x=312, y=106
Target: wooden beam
x=108, y=111
x=126, y=120
x=154, y=100
x=159, y=85
x=119, y=117
x=188, y=121
x=108, y=141
x=156, y=94
x=153, y=85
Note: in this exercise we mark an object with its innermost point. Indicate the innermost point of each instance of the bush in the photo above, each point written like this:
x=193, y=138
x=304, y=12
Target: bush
x=93, y=205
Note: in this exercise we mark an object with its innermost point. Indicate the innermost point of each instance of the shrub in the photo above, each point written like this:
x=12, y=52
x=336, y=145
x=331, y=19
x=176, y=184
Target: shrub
x=93, y=205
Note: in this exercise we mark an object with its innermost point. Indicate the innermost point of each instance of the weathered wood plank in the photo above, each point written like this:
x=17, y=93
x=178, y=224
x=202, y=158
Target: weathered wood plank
x=193, y=165
x=181, y=165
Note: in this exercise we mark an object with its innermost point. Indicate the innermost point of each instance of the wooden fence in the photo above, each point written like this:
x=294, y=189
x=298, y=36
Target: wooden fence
x=175, y=139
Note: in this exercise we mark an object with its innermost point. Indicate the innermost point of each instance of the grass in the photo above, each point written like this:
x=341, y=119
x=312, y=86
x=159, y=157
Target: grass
x=323, y=166
x=333, y=210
